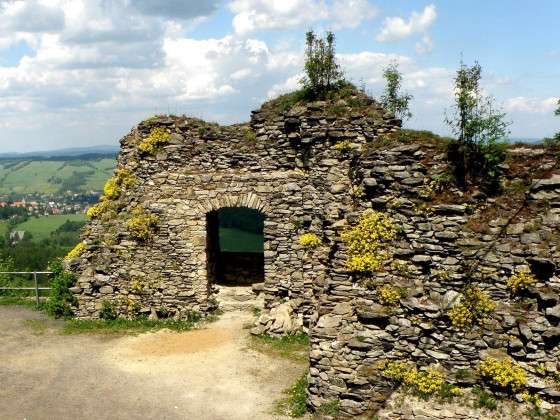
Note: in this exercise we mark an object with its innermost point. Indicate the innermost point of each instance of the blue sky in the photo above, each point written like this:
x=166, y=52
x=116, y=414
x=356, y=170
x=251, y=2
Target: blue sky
x=83, y=72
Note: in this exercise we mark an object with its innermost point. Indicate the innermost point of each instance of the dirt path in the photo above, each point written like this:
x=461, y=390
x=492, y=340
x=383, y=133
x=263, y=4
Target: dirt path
x=202, y=374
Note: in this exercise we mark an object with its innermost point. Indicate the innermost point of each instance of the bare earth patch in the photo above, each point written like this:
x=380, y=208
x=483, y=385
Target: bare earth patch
x=210, y=373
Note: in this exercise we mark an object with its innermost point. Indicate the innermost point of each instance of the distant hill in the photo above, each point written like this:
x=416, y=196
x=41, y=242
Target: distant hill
x=40, y=175
x=73, y=152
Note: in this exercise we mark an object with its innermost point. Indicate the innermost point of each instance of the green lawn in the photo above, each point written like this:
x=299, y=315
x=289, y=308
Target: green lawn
x=41, y=227
x=235, y=240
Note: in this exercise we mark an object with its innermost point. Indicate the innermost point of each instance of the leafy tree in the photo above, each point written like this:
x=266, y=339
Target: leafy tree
x=557, y=112
x=392, y=99
x=322, y=72
x=61, y=298
x=480, y=129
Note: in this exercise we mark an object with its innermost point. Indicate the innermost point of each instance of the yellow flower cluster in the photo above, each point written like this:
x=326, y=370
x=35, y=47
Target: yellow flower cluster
x=365, y=240
x=111, y=190
x=474, y=308
x=357, y=191
x=521, y=281
x=426, y=381
x=505, y=373
x=343, y=146
x=388, y=295
x=142, y=224
x=531, y=398
x=309, y=240
x=76, y=251
x=99, y=209
x=123, y=179
x=157, y=137
x=140, y=286
x=130, y=304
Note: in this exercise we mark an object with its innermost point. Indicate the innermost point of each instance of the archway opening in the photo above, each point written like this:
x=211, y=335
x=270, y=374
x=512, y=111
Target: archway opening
x=235, y=246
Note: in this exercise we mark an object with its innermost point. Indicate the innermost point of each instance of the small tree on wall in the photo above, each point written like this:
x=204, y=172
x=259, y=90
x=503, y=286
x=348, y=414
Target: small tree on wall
x=322, y=72
x=557, y=112
x=392, y=99
x=479, y=128
x=554, y=141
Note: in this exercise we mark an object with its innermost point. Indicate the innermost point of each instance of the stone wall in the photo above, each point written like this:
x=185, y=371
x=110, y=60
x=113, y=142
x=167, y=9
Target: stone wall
x=442, y=247
x=317, y=168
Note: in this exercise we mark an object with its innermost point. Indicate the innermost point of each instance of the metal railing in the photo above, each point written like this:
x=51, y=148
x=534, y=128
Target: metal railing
x=36, y=287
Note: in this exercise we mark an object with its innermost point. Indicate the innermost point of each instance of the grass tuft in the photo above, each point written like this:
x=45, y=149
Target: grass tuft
x=294, y=404
x=123, y=325
x=331, y=408
x=39, y=326
x=484, y=399
x=294, y=347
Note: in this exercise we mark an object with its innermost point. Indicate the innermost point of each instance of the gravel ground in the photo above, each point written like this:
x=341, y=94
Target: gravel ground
x=202, y=374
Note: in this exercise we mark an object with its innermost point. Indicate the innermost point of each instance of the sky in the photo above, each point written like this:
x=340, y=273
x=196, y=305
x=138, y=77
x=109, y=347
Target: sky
x=84, y=72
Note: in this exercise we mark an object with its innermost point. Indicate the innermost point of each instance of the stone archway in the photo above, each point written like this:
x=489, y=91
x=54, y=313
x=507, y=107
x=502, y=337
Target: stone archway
x=235, y=264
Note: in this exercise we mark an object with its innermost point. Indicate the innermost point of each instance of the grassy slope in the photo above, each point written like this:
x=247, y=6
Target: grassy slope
x=25, y=177
x=3, y=228
x=41, y=227
x=240, y=241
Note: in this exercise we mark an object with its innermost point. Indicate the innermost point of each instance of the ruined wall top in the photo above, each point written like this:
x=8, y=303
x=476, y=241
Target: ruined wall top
x=279, y=136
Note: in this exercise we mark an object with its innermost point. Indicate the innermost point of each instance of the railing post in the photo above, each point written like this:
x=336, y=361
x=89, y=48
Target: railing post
x=36, y=288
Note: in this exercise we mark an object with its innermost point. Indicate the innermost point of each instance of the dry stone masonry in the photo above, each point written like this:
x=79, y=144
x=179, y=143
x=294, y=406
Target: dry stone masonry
x=316, y=169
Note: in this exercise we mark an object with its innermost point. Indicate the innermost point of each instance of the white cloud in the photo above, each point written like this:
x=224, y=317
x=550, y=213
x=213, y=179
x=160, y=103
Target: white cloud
x=30, y=16
x=290, y=84
x=425, y=45
x=351, y=13
x=396, y=28
x=531, y=105
x=253, y=15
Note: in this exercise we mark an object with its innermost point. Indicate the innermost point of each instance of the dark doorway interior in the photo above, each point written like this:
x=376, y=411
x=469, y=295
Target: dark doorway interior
x=235, y=246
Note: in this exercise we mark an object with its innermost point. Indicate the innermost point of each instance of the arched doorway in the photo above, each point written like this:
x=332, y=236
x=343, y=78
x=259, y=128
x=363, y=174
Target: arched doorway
x=235, y=255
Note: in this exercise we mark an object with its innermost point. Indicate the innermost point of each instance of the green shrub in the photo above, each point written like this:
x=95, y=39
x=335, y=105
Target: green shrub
x=249, y=136
x=61, y=299
x=107, y=311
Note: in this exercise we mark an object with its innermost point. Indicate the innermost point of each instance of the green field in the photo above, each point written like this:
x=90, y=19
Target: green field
x=46, y=176
x=236, y=240
x=41, y=227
